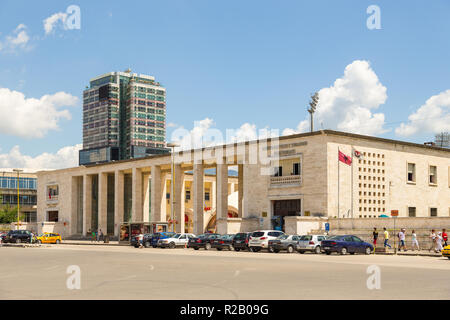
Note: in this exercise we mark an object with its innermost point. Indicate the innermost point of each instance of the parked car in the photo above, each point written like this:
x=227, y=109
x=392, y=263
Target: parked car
x=312, y=243
x=160, y=235
x=446, y=251
x=49, y=238
x=203, y=241
x=240, y=241
x=346, y=244
x=284, y=242
x=260, y=239
x=178, y=240
x=18, y=236
x=223, y=242
x=147, y=240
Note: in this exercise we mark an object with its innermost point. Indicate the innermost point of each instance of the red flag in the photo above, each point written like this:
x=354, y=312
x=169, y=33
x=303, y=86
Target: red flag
x=344, y=158
x=357, y=154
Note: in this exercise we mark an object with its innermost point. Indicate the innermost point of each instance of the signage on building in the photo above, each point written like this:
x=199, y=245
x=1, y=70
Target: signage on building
x=327, y=226
x=394, y=213
x=264, y=214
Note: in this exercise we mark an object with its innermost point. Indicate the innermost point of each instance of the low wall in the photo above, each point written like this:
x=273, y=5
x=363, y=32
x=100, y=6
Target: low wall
x=419, y=223
x=304, y=225
x=30, y=226
x=236, y=225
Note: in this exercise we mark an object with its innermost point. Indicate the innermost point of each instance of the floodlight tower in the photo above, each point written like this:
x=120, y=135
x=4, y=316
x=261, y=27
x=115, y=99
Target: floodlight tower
x=312, y=109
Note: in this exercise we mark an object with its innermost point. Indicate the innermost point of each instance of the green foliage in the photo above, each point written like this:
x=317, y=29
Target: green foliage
x=8, y=214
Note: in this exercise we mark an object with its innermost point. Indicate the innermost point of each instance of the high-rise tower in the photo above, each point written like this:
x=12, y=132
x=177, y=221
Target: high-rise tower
x=124, y=117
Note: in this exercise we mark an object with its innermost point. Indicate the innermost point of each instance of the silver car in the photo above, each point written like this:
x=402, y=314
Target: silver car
x=311, y=243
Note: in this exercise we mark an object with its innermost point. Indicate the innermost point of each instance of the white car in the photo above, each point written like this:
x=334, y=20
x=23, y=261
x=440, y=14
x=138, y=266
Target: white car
x=178, y=240
x=311, y=243
x=260, y=239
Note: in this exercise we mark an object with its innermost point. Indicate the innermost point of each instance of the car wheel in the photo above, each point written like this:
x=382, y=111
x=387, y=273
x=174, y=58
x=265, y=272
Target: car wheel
x=207, y=246
x=219, y=249
x=301, y=251
x=195, y=248
x=343, y=251
x=290, y=249
x=154, y=246
x=18, y=241
x=256, y=249
x=328, y=252
x=352, y=253
x=236, y=249
x=171, y=245
x=318, y=250
x=147, y=244
x=448, y=257
x=136, y=246
x=58, y=242
x=276, y=250
x=368, y=250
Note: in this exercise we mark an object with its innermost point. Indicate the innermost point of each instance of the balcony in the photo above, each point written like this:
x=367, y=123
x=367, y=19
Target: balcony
x=286, y=181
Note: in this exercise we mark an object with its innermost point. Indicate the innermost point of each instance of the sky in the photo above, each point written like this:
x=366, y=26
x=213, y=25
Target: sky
x=226, y=65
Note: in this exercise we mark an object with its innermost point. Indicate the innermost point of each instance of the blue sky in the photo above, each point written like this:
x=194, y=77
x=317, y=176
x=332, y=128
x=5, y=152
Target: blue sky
x=234, y=62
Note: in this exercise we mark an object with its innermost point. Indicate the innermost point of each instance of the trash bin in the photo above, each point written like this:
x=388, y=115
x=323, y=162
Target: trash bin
x=106, y=239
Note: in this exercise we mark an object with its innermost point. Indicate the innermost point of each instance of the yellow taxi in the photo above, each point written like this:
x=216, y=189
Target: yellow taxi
x=446, y=252
x=49, y=238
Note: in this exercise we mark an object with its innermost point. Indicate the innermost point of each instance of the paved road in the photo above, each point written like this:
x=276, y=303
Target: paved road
x=129, y=273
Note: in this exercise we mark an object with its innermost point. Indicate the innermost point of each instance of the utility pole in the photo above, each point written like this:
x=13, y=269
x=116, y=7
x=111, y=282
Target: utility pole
x=312, y=109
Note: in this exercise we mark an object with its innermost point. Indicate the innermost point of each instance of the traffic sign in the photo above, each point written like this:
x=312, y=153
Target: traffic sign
x=394, y=213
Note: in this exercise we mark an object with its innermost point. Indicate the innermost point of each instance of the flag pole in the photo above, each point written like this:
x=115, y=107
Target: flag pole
x=338, y=183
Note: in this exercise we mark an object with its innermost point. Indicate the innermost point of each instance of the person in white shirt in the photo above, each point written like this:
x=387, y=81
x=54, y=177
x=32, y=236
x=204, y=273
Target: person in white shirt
x=439, y=242
x=141, y=240
x=401, y=238
x=415, y=243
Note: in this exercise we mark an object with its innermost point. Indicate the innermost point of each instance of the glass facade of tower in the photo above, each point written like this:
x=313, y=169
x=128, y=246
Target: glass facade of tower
x=124, y=116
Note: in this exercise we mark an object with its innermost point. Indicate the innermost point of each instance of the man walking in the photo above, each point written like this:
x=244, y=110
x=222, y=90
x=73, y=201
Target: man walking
x=375, y=237
x=444, y=237
x=415, y=243
x=433, y=240
x=401, y=238
x=386, y=239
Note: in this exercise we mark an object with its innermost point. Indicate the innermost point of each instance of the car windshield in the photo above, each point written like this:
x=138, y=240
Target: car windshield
x=335, y=238
x=176, y=236
x=257, y=234
x=240, y=236
x=305, y=238
x=283, y=237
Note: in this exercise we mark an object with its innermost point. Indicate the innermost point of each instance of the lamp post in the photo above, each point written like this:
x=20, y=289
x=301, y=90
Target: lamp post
x=18, y=171
x=172, y=174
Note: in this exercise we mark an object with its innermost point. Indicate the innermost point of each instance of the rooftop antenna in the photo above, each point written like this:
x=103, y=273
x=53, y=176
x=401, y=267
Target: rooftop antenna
x=312, y=109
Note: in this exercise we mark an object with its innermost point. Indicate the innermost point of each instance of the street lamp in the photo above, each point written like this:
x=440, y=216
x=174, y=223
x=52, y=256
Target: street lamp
x=18, y=197
x=172, y=170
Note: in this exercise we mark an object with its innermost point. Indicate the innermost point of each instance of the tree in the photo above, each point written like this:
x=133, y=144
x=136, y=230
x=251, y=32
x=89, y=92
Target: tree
x=8, y=214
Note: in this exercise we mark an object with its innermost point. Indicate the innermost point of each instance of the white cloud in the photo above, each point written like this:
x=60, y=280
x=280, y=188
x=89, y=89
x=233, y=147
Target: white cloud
x=51, y=22
x=432, y=117
x=348, y=104
x=30, y=117
x=18, y=39
x=65, y=157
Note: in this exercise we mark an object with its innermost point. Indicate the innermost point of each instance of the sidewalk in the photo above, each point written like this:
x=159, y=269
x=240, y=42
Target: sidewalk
x=89, y=243
x=423, y=253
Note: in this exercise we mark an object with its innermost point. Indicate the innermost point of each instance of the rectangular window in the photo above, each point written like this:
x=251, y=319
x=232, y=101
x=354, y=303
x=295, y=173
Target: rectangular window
x=278, y=172
x=188, y=195
x=411, y=172
x=433, y=175
x=296, y=169
x=206, y=196
x=411, y=211
x=52, y=216
x=433, y=212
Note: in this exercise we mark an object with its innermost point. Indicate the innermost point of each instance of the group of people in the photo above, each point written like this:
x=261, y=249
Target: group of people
x=438, y=240
x=96, y=236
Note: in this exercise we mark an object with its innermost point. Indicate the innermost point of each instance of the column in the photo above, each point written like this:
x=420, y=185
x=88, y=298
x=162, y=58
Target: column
x=222, y=190
x=157, y=192
x=73, y=218
x=146, y=196
x=102, y=201
x=178, y=197
x=197, y=197
x=118, y=201
x=136, y=191
x=240, y=188
x=164, y=191
x=87, y=203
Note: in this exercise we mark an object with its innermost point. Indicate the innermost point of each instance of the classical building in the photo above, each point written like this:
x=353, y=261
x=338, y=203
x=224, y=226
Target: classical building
x=124, y=117
x=294, y=182
x=27, y=193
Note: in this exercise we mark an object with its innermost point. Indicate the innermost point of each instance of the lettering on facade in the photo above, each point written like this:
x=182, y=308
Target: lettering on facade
x=288, y=145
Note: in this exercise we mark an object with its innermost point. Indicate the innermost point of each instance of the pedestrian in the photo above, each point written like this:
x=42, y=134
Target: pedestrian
x=98, y=235
x=375, y=237
x=94, y=236
x=141, y=240
x=433, y=240
x=386, y=239
x=439, y=242
x=444, y=237
x=415, y=243
x=401, y=238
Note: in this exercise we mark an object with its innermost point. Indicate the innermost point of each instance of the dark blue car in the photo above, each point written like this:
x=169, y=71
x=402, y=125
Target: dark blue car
x=346, y=244
x=160, y=235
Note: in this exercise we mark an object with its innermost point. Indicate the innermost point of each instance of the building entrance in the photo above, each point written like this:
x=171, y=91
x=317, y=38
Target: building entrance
x=284, y=208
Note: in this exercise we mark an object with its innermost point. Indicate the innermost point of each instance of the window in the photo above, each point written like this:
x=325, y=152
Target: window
x=188, y=195
x=433, y=175
x=52, y=216
x=411, y=172
x=411, y=211
x=296, y=169
x=433, y=212
x=206, y=196
x=278, y=172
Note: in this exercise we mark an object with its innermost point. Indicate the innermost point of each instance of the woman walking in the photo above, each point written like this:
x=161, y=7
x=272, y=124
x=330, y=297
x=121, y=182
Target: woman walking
x=415, y=243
